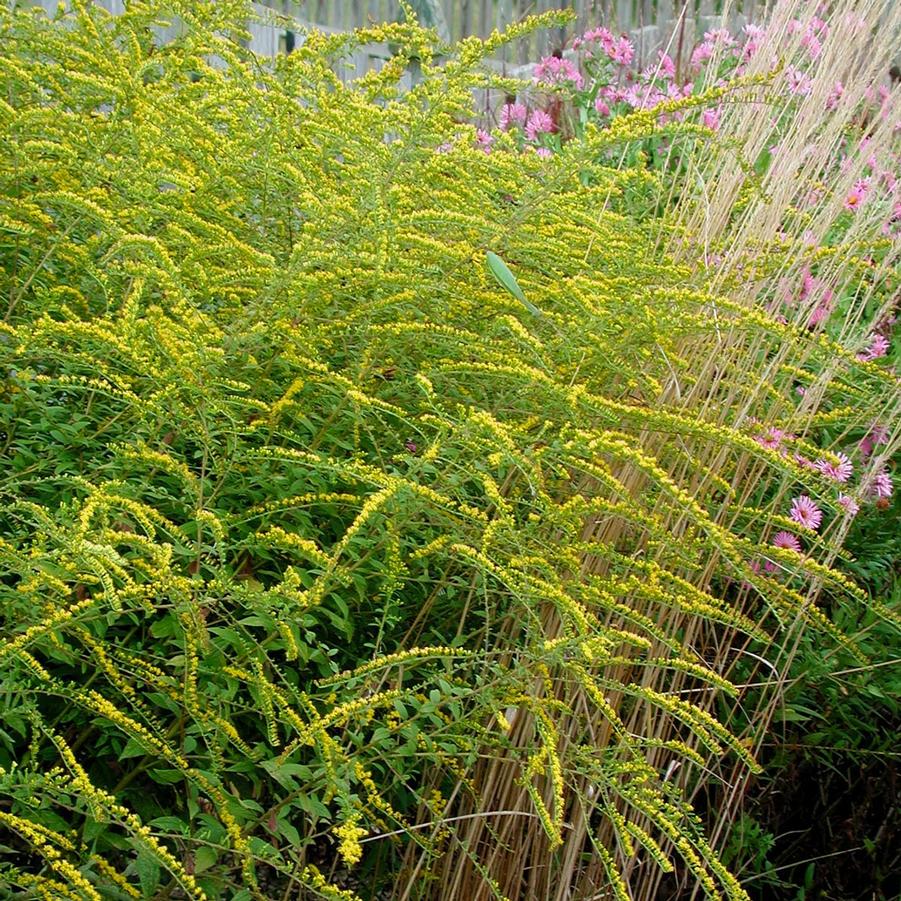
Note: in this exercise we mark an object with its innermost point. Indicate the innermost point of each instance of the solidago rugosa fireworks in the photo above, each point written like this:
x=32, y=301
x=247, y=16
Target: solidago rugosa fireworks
x=316, y=541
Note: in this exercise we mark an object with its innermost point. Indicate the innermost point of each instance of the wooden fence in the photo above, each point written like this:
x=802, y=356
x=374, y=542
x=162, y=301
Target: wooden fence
x=649, y=23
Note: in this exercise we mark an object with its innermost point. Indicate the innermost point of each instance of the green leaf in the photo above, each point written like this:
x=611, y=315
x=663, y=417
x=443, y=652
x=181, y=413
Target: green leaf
x=148, y=871
x=204, y=858
x=169, y=824
x=505, y=278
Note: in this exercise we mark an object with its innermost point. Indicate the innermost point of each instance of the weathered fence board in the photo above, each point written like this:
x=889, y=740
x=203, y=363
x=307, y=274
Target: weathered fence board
x=649, y=23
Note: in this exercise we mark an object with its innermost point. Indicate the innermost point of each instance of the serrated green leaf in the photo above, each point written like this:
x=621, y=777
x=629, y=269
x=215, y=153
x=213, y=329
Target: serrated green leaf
x=148, y=871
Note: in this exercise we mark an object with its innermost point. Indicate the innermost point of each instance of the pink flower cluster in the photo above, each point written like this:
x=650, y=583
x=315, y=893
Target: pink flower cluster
x=555, y=70
x=512, y=114
x=539, y=122
x=619, y=50
x=813, y=33
x=536, y=123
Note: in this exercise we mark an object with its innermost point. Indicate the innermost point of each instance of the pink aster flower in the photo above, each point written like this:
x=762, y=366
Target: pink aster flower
x=865, y=446
x=879, y=346
x=881, y=486
x=754, y=32
x=539, y=122
x=710, y=118
x=599, y=35
x=512, y=114
x=666, y=65
x=812, y=44
x=701, y=54
x=484, y=140
x=771, y=439
x=797, y=82
x=857, y=195
x=835, y=96
x=805, y=512
x=820, y=314
x=555, y=70
x=850, y=506
x=720, y=36
x=788, y=541
x=754, y=36
x=838, y=473
x=623, y=52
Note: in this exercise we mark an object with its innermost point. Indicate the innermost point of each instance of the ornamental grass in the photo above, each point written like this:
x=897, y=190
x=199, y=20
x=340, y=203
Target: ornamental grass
x=387, y=509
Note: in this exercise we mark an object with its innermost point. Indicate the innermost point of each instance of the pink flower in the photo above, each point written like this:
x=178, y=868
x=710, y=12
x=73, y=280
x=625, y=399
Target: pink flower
x=554, y=70
x=600, y=106
x=771, y=439
x=805, y=512
x=754, y=35
x=882, y=484
x=512, y=114
x=879, y=434
x=720, y=36
x=788, y=541
x=866, y=446
x=851, y=507
x=857, y=195
x=835, y=96
x=539, y=123
x=710, y=118
x=820, y=314
x=484, y=140
x=543, y=152
x=879, y=347
x=840, y=473
x=666, y=65
x=812, y=44
x=809, y=284
x=797, y=82
x=602, y=36
x=754, y=32
x=701, y=54
x=623, y=52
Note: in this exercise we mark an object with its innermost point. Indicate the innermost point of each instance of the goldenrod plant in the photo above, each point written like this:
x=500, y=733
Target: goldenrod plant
x=386, y=509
